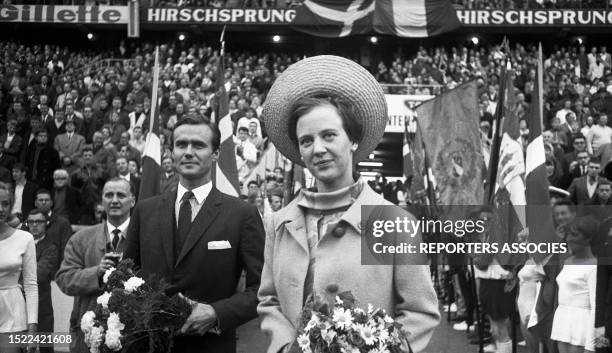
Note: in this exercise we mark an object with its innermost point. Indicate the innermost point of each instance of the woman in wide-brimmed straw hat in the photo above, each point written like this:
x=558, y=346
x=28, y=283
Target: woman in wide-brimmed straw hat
x=327, y=113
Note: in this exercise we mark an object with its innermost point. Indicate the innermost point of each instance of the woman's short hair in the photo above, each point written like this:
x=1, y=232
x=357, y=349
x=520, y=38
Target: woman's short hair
x=587, y=226
x=345, y=110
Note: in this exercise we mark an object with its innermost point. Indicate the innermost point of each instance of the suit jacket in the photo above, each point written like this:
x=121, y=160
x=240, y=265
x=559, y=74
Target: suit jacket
x=53, y=130
x=73, y=204
x=603, y=298
x=48, y=162
x=201, y=273
x=27, y=198
x=168, y=183
x=78, y=275
x=7, y=161
x=15, y=146
x=60, y=231
x=69, y=147
x=47, y=257
x=579, y=193
x=404, y=291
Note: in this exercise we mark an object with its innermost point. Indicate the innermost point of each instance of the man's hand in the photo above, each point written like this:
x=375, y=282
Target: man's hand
x=601, y=340
x=203, y=318
x=573, y=166
x=105, y=264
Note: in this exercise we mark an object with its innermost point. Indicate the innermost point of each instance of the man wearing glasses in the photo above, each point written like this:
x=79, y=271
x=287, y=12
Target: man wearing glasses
x=92, y=251
x=570, y=161
x=46, y=262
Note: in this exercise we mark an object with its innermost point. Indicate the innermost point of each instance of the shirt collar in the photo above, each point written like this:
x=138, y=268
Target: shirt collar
x=122, y=227
x=200, y=193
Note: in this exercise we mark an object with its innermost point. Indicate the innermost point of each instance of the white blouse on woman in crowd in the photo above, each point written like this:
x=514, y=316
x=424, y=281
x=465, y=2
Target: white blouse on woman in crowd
x=574, y=321
x=18, y=260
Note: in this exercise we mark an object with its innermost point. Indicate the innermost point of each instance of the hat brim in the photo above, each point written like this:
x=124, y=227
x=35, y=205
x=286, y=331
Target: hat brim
x=326, y=75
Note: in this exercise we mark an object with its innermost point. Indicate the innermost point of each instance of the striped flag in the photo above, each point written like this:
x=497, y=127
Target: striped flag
x=151, y=157
x=226, y=171
x=507, y=170
x=404, y=18
x=541, y=226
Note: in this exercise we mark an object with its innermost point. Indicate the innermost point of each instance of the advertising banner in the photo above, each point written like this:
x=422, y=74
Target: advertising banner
x=550, y=18
x=64, y=14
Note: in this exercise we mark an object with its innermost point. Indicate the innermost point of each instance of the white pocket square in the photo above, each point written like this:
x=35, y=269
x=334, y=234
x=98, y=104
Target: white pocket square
x=219, y=245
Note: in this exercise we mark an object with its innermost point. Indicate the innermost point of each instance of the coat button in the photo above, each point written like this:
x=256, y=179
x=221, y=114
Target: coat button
x=332, y=288
x=339, y=232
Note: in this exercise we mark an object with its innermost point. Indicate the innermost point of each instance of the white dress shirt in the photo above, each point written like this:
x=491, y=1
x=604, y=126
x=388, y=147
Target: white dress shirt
x=200, y=194
x=122, y=228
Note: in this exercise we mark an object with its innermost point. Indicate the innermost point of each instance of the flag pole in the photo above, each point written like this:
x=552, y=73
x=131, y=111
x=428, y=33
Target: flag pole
x=155, y=89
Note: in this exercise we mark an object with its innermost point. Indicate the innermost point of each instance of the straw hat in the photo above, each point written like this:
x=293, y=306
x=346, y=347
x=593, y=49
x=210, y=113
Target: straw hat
x=326, y=75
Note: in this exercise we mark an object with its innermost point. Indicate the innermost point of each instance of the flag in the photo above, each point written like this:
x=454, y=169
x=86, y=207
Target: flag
x=541, y=226
x=411, y=18
x=404, y=18
x=507, y=171
x=334, y=18
x=449, y=125
x=133, y=19
x=151, y=157
x=407, y=157
x=226, y=171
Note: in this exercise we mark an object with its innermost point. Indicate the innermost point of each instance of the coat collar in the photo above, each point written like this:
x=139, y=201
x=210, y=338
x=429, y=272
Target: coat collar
x=292, y=216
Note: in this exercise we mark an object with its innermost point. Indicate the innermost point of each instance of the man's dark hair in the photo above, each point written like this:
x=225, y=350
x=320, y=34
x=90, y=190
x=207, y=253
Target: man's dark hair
x=603, y=181
x=595, y=160
x=565, y=202
x=20, y=166
x=43, y=192
x=42, y=129
x=578, y=136
x=242, y=128
x=37, y=211
x=195, y=120
x=252, y=182
x=87, y=149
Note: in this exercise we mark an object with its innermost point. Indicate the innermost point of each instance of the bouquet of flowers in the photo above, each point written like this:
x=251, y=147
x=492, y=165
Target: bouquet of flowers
x=133, y=315
x=342, y=327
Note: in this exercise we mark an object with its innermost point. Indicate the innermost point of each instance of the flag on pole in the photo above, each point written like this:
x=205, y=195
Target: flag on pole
x=403, y=18
x=151, y=157
x=541, y=226
x=407, y=159
x=133, y=19
x=226, y=171
x=449, y=125
x=507, y=171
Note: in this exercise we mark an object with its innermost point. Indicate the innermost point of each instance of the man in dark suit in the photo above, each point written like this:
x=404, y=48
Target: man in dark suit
x=123, y=172
x=11, y=141
x=66, y=200
x=25, y=192
x=582, y=189
x=58, y=228
x=169, y=179
x=46, y=262
x=201, y=240
x=56, y=126
x=42, y=161
x=570, y=163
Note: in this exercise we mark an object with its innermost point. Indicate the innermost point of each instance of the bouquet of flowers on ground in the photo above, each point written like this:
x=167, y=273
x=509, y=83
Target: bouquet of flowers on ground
x=338, y=326
x=133, y=315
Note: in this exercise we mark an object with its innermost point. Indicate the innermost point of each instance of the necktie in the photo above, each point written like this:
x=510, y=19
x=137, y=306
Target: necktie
x=184, y=223
x=116, y=238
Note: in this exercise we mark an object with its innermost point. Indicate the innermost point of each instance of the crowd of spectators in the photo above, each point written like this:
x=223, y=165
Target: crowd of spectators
x=106, y=102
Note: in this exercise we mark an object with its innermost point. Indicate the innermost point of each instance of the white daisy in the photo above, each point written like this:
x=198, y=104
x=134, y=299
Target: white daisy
x=303, y=341
x=107, y=274
x=339, y=301
x=328, y=336
x=314, y=321
x=133, y=283
x=367, y=333
x=343, y=319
